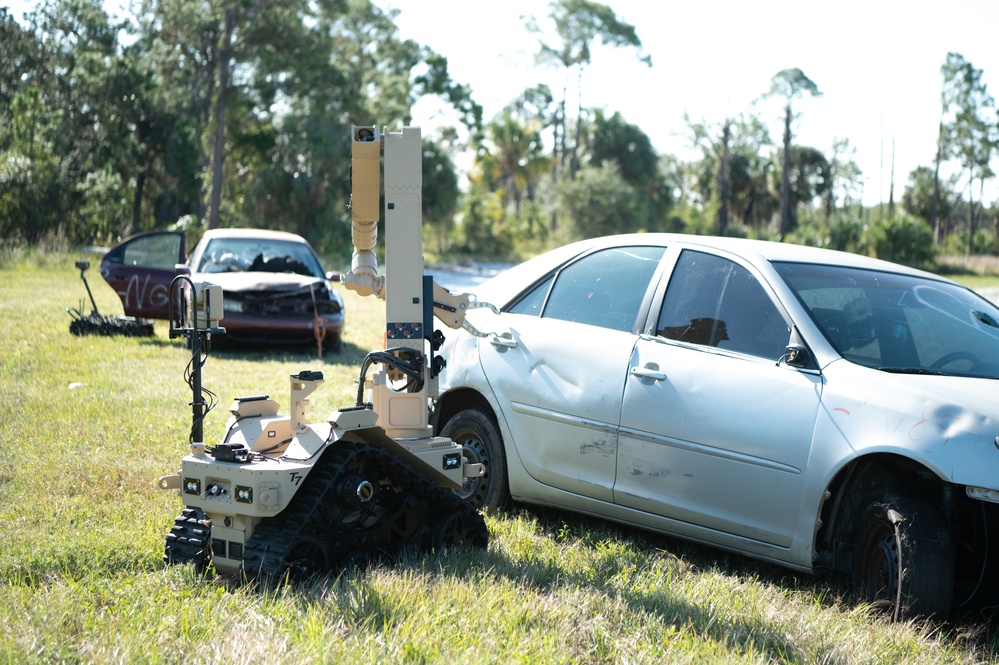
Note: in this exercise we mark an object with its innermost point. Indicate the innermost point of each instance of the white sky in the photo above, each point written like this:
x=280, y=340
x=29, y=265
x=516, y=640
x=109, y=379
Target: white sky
x=877, y=63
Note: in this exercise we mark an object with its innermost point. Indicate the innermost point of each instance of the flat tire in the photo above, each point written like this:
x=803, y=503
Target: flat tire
x=905, y=559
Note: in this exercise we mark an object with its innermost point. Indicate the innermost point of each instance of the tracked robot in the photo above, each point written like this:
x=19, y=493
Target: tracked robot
x=280, y=496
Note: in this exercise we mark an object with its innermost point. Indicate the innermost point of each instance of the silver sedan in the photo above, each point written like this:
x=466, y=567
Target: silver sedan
x=820, y=410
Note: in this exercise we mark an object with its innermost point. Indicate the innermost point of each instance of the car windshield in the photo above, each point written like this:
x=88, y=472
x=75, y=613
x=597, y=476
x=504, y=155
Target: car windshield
x=258, y=255
x=899, y=323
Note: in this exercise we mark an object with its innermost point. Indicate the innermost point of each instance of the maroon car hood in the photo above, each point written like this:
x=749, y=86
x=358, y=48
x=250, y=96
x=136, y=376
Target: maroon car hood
x=236, y=282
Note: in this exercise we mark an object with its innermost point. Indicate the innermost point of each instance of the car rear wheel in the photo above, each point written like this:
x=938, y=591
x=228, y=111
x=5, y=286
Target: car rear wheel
x=905, y=563
x=479, y=436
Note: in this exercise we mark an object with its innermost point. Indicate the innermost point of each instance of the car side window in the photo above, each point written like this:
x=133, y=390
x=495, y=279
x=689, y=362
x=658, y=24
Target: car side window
x=160, y=251
x=534, y=300
x=713, y=301
x=603, y=289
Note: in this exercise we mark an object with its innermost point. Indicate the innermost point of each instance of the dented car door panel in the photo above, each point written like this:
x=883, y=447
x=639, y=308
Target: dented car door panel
x=561, y=397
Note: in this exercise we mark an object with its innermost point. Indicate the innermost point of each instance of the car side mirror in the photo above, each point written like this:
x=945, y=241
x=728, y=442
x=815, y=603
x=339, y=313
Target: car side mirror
x=795, y=355
x=182, y=269
x=333, y=276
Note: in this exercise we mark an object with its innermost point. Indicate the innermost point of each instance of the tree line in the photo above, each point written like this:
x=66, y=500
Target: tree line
x=203, y=113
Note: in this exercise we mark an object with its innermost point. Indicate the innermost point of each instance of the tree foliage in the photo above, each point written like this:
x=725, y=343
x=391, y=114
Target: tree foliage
x=235, y=112
x=970, y=128
x=600, y=202
x=238, y=113
x=735, y=171
x=440, y=189
x=579, y=25
x=615, y=141
x=788, y=85
x=927, y=199
x=511, y=159
x=903, y=239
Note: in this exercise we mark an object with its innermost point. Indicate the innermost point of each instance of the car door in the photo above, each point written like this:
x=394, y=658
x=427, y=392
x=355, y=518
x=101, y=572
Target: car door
x=715, y=431
x=140, y=269
x=558, y=372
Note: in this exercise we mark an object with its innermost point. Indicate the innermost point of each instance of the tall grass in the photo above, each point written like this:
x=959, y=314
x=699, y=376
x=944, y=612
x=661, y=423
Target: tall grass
x=90, y=423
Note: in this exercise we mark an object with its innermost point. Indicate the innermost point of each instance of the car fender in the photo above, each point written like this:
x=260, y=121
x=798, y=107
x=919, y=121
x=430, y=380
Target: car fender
x=941, y=422
x=933, y=424
x=464, y=374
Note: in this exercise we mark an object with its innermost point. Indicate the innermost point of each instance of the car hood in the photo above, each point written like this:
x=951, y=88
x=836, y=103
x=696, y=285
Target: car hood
x=236, y=282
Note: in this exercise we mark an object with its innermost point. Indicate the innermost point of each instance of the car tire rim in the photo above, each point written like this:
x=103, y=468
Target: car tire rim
x=474, y=490
x=881, y=578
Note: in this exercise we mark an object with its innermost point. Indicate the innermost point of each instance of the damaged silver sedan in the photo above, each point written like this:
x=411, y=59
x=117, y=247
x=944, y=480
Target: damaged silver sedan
x=820, y=410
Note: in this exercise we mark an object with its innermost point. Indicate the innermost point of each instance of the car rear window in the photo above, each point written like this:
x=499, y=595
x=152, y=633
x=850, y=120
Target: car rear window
x=603, y=289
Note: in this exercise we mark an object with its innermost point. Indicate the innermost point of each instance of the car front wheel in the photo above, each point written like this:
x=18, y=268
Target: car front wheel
x=479, y=437
x=905, y=563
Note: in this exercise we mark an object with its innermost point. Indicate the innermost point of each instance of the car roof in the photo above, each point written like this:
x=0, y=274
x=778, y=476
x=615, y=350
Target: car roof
x=762, y=250
x=758, y=252
x=256, y=234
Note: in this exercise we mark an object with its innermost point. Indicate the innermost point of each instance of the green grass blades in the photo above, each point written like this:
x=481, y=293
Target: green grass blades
x=91, y=423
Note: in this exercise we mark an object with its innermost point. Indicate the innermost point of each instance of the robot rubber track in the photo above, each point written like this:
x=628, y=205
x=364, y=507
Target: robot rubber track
x=187, y=541
x=328, y=528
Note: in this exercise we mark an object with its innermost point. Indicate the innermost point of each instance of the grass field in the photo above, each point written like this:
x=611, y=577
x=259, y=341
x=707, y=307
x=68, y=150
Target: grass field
x=89, y=424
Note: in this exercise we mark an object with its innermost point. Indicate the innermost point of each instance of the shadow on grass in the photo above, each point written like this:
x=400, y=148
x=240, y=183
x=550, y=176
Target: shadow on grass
x=672, y=607
x=547, y=574
x=721, y=622
x=973, y=629
x=590, y=531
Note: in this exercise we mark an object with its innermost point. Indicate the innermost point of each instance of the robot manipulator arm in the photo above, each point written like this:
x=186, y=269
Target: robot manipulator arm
x=365, y=189
x=451, y=309
x=403, y=180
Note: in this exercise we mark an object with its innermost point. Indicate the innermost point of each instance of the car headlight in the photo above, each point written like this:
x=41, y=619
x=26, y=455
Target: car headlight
x=336, y=305
x=983, y=494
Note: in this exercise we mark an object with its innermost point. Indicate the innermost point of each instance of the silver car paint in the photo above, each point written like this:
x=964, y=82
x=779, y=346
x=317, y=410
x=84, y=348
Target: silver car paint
x=946, y=424
x=579, y=368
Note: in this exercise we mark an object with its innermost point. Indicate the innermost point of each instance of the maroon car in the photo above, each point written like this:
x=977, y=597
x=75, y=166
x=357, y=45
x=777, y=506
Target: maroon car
x=275, y=288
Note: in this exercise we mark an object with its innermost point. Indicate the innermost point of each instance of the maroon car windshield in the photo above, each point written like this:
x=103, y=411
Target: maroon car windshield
x=252, y=255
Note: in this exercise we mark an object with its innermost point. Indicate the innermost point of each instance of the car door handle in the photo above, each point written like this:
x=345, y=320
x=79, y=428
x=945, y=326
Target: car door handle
x=505, y=340
x=648, y=373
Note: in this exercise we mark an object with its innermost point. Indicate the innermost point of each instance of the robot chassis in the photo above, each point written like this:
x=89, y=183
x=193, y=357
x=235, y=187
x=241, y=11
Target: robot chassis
x=282, y=497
